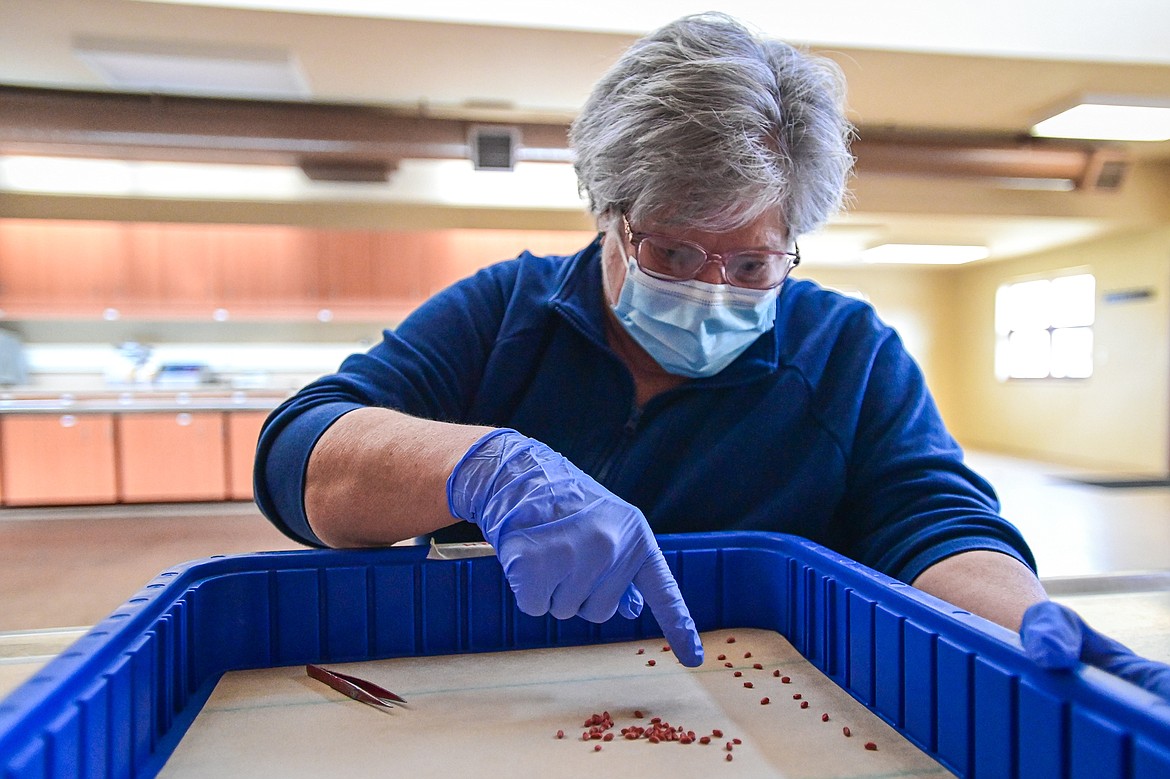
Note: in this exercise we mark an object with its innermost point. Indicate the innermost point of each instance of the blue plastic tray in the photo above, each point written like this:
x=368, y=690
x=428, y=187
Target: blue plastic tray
x=118, y=701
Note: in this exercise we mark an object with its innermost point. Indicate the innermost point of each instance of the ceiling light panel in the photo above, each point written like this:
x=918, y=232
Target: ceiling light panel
x=1110, y=118
x=186, y=68
x=924, y=254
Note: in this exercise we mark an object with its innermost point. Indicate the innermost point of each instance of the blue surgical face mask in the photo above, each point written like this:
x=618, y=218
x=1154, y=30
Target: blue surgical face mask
x=692, y=328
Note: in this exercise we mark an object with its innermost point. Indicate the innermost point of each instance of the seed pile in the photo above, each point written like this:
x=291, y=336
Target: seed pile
x=600, y=727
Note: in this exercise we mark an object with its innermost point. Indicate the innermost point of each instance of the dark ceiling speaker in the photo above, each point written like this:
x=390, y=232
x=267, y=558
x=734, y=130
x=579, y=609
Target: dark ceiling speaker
x=493, y=147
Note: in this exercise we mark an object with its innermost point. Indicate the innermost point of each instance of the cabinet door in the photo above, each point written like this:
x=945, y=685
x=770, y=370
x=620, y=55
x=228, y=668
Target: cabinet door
x=164, y=457
x=170, y=269
x=456, y=254
x=57, y=459
x=402, y=262
x=243, y=431
x=60, y=264
x=346, y=260
x=265, y=268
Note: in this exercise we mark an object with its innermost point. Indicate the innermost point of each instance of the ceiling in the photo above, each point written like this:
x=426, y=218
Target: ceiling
x=973, y=81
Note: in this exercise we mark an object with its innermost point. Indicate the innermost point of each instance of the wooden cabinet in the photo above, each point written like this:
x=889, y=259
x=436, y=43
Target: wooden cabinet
x=76, y=268
x=456, y=254
x=242, y=429
x=130, y=457
x=190, y=271
x=404, y=263
x=346, y=265
x=170, y=270
x=265, y=268
x=57, y=459
x=165, y=456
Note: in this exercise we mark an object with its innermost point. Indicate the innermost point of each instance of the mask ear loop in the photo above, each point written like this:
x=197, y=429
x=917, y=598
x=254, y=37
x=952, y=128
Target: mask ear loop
x=631, y=264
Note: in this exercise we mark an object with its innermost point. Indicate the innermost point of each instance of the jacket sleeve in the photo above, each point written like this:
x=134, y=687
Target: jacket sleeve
x=910, y=500
x=429, y=367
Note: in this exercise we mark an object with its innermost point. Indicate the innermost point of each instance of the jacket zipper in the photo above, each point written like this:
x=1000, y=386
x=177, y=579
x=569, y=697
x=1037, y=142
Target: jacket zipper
x=619, y=445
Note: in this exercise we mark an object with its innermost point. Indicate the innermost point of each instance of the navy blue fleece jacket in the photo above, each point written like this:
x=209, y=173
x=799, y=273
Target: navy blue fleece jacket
x=823, y=428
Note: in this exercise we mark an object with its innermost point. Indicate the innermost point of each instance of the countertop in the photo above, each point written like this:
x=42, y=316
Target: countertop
x=151, y=400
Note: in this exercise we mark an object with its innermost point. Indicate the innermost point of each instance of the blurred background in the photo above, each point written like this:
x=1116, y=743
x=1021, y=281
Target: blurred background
x=203, y=205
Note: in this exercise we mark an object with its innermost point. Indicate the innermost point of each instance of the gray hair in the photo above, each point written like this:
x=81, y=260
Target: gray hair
x=703, y=124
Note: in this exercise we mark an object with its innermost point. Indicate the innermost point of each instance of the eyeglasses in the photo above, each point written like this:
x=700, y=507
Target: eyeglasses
x=674, y=259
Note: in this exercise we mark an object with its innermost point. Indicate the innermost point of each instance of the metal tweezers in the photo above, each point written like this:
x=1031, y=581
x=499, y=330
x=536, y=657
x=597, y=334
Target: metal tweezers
x=358, y=689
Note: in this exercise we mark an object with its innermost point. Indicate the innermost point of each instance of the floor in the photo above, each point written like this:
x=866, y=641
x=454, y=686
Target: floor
x=72, y=567
x=1076, y=530
x=1104, y=550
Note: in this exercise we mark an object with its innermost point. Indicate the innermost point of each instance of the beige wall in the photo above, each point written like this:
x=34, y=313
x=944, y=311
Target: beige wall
x=913, y=300
x=1118, y=419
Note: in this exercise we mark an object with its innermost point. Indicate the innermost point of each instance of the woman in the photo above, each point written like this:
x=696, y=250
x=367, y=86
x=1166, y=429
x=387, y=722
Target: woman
x=667, y=378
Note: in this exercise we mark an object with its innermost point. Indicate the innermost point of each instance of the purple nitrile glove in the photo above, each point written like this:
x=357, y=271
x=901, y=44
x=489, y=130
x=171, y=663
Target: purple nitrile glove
x=1057, y=638
x=569, y=546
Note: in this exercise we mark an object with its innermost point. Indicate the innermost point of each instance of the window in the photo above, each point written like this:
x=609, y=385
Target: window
x=1044, y=328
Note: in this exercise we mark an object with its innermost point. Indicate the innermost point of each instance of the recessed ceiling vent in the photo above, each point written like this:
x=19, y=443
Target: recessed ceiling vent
x=493, y=148
x=1106, y=174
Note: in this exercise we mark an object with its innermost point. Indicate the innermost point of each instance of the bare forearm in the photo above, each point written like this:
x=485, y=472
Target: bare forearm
x=378, y=476
x=995, y=586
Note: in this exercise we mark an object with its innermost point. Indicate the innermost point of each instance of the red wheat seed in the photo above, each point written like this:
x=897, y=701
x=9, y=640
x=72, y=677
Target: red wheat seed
x=804, y=704
x=825, y=717
x=765, y=701
x=650, y=662
x=872, y=747
x=846, y=731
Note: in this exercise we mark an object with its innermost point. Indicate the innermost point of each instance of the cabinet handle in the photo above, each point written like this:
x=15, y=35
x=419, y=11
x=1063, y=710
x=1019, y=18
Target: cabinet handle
x=183, y=419
x=68, y=420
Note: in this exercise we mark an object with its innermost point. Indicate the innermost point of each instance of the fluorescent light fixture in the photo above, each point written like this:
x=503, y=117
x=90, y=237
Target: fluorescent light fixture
x=124, y=178
x=185, y=68
x=1110, y=118
x=924, y=254
x=542, y=185
x=1037, y=185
